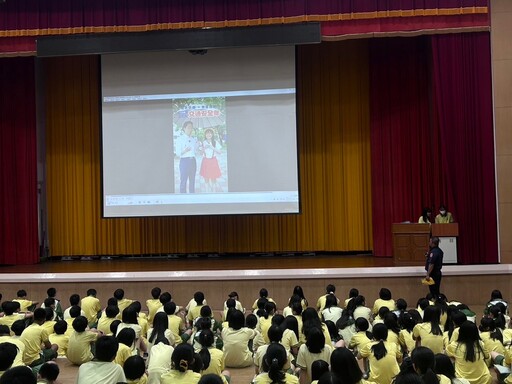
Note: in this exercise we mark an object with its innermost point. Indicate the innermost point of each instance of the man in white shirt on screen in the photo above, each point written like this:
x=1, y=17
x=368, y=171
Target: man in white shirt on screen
x=186, y=147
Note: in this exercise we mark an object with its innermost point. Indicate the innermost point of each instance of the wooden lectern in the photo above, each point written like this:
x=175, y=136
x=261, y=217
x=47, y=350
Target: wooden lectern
x=410, y=242
x=447, y=234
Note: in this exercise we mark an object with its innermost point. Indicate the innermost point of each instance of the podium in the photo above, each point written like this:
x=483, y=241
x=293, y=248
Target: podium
x=447, y=234
x=410, y=242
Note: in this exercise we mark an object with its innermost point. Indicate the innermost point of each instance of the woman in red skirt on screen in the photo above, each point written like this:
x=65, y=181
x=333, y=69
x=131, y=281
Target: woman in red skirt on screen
x=210, y=169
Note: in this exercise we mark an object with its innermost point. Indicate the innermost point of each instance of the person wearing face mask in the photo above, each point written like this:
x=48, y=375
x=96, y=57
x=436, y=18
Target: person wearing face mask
x=444, y=217
x=425, y=216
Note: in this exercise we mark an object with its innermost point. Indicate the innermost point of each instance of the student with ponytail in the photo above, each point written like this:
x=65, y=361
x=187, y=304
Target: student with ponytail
x=429, y=334
x=213, y=358
x=274, y=362
x=382, y=355
x=182, y=361
x=423, y=360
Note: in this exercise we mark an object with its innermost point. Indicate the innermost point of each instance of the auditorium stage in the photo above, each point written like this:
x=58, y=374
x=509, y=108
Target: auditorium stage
x=216, y=276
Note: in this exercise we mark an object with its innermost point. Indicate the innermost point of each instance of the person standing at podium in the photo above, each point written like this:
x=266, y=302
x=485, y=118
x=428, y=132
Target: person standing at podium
x=425, y=216
x=433, y=265
x=444, y=217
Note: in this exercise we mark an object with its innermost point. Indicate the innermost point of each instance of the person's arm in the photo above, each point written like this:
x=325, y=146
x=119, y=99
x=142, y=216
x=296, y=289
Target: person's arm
x=430, y=269
x=303, y=376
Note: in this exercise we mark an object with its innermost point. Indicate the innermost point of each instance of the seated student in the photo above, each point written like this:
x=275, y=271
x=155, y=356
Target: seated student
x=444, y=217
x=5, y=337
x=384, y=300
x=318, y=368
x=275, y=334
x=109, y=315
x=329, y=290
x=352, y=294
x=48, y=373
x=122, y=302
x=8, y=353
x=236, y=342
x=176, y=323
x=126, y=339
x=60, y=338
x=331, y=310
x=74, y=312
x=158, y=360
x=91, y=307
x=182, y=361
x=74, y=300
x=102, y=370
x=18, y=375
x=9, y=308
x=195, y=311
x=444, y=366
x=362, y=337
x=80, y=342
x=129, y=320
x=153, y=304
x=315, y=348
x=211, y=357
x=135, y=370
x=237, y=304
x=496, y=297
x=275, y=362
x=263, y=295
x=25, y=305
x=160, y=330
x=35, y=336
x=49, y=323
x=142, y=318
x=345, y=366
x=265, y=320
x=57, y=307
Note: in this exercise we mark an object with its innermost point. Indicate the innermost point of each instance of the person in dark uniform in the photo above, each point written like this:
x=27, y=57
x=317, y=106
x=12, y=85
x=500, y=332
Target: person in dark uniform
x=433, y=265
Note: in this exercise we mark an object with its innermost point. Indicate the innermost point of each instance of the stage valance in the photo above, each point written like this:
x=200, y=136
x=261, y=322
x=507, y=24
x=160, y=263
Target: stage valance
x=22, y=21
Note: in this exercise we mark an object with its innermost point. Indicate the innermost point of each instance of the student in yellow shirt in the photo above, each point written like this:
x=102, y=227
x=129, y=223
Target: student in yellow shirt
x=424, y=361
x=59, y=337
x=384, y=300
x=135, y=370
x=212, y=358
x=35, y=336
x=153, y=304
x=80, y=342
x=8, y=352
x=182, y=361
x=91, y=307
x=48, y=373
x=362, y=337
x=275, y=360
x=108, y=316
x=429, y=334
x=25, y=305
x=126, y=339
x=122, y=302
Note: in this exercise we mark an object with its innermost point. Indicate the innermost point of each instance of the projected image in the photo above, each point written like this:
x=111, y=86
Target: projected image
x=200, y=148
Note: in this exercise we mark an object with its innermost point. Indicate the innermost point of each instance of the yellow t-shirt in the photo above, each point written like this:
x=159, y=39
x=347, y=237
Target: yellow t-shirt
x=91, y=306
x=142, y=380
x=359, y=340
x=123, y=304
x=289, y=340
x=48, y=325
x=383, y=370
x=305, y=358
x=79, y=347
x=379, y=303
x=176, y=326
x=491, y=344
x=153, y=306
x=18, y=360
x=263, y=326
x=10, y=319
x=236, y=347
x=476, y=372
x=435, y=342
x=216, y=363
x=406, y=341
x=33, y=337
x=263, y=378
x=104, y=324
x=123, y=353
x=24, y=304
x=62, y=341
x=194, y=313
x=177, y=377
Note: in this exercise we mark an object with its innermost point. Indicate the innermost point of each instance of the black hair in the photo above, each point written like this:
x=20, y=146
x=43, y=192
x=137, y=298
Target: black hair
x=424, y=214
x=497, y=311
x=49, y=313
x=60, y=327
x=160, y=325
x=275, y=333
x=48, y=302
x=315, y=340
x=310, y=320
x=391, y=322
x=51, y=292
x=401, y=305
x=296, y=308
x=183, y=357
x=170, y=308
x=165, y=297
x=290, y=322
x=329, y=378
x=263, y=293
x=114, y=325
x=345, y=366
x=199, y=297
x=4, y=330
x=468, y=336
x=18, y=327
x=126, y=336
x=297, y=290
x=487, y=325
x=362, y=325
x=385, y=294
x=354, y=292
x=269, y=309
x=330, y=289
x=380, y=334
x=206, y=339
x=444, y=366
x=236, y=320
x=8, y=352
x=134, y=367
x=119, y=294
x=155, y=292
x=18, y=375
x=91, y=292
x=406, y=321
x=129, y=315
x=277, y=319
x=424, y=361
x=210, y=378
x=318, y=368
x=9, y=307
x=251, y=321
x=496, y=294
x=333, y=330
x=39, y=314
x=136, y=305
x=80, y=324
x=112, y=301
x=74, y=299
x=21, y=293
x=106, y=348
x=275, y=359
x=432, y=315
x=112, y=311
x=230, y=303
x=75, y=311
x=205, y=311
x=49, y=371
x=330, y=301
x=383, y=311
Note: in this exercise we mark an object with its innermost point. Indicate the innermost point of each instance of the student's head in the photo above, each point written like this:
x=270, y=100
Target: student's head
x=114, y=325
x=130, y=315
x=106, y=348
x=233, y=295
x=136, y=305
x=230, y=303
x=362, y=324
x=112, y=311
x=275, y=333
x=444, y=366
x=426, y=212
x=496, y=295
x=210, y=378
x=205, y=311
x=423, y=360
x=380, y=332
x=432, y=314
x=344, y=365
x=183, y=357
x=297, y=290
x=423, y=303
x=40, y=315
x=236, y=320
x=119, y=294
x=290, y=322
x=170, y=308
x=486, y=325
x=385, y=294
x=49, y=302
x=277, y=319
x=315, y=340
x=330, y=289
x=383, y=311
x=155, y=293
x=18, y=327
x=18, y=375
x=310, y=314
x=126, y=336
x=251, y=321
x=21, y=293
x=4, y=330
x=260, y=303
x=51, y=292
x=206, y=338
x=331, y=301
x=358, y=301
x=8, y=352
x=60, y=327
x=468, y=332
x=74, y=299
x=406, y=321
x=91, y=292
x=318, y=368
x=270, y=308
x=401, y=305
x=49, y=371
x=264, y=293
x=49, y=313
x=112, y=301
x=165, y=297
x=199, y=297
x=75, y=311
x=134, y=367
x=9, y=307
x=442, y=210
x=80, y=324
x=275, y=359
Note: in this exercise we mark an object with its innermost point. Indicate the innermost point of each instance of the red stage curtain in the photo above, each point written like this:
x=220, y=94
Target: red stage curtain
x=463, y=101
x=18, y=179
x=432, y=138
